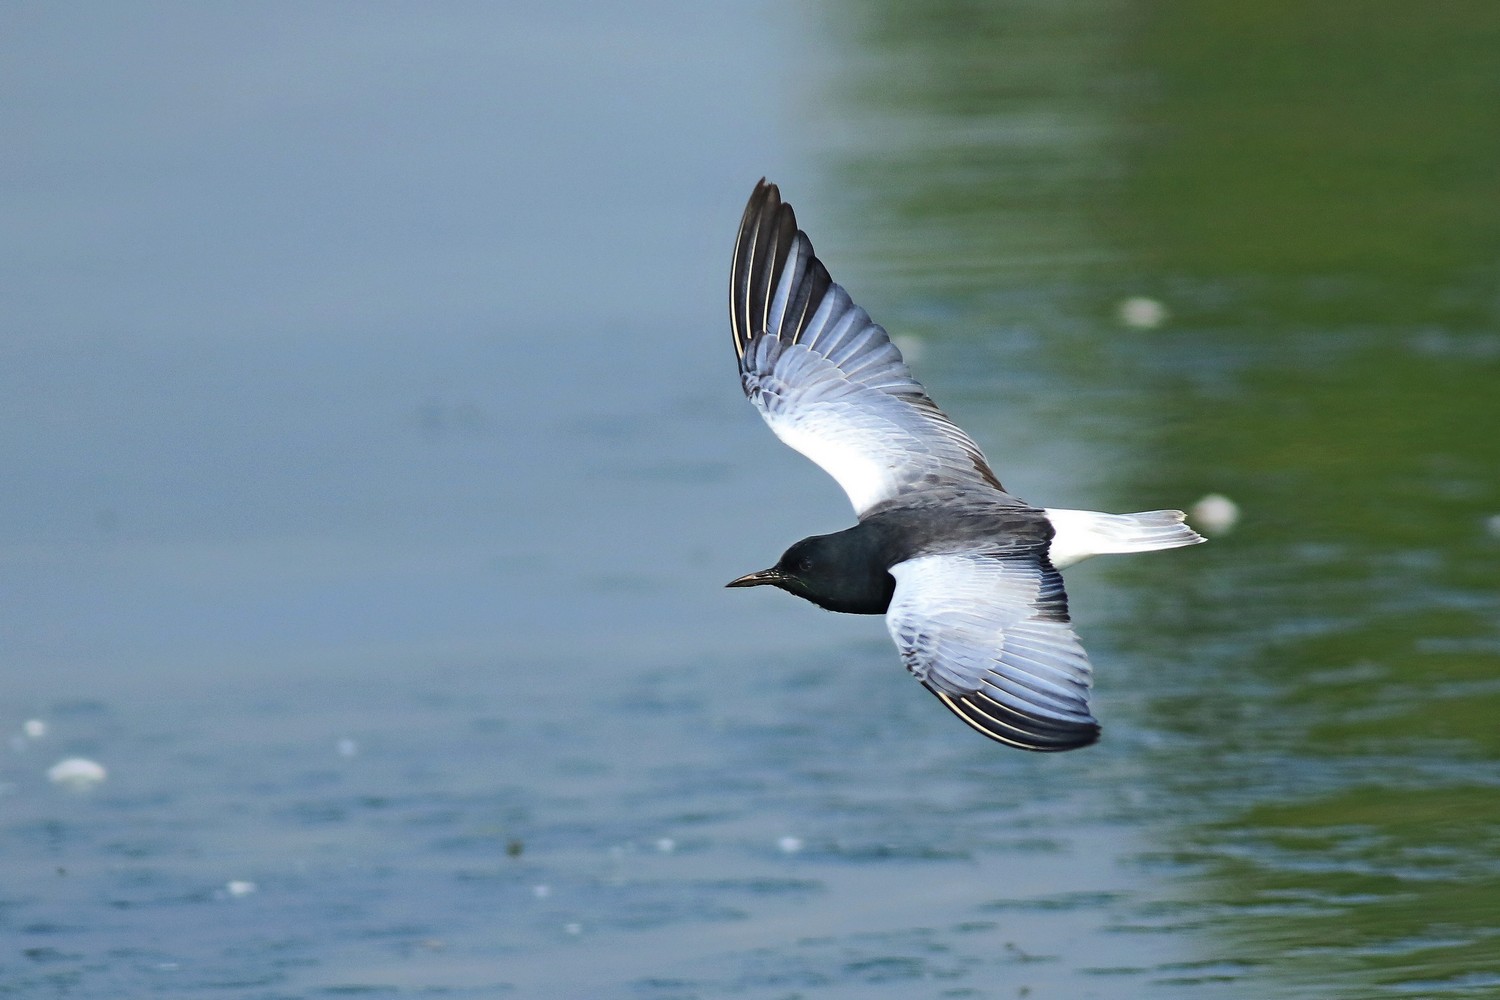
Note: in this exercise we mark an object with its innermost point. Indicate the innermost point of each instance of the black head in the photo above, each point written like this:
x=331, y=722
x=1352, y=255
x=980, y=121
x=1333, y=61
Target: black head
x=839, y=572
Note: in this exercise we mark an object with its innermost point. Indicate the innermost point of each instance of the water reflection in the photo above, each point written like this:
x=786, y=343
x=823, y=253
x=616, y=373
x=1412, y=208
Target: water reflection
x=1312, y=193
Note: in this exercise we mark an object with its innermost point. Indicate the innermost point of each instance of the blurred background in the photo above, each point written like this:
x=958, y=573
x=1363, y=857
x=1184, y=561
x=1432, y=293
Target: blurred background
x=374, y=460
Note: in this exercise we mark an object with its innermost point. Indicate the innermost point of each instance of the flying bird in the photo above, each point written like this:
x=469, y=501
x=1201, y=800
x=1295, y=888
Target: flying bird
x=965, y=572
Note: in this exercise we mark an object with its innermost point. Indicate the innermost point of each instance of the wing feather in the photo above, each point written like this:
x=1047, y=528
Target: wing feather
x=826, y=378
x=989, y=635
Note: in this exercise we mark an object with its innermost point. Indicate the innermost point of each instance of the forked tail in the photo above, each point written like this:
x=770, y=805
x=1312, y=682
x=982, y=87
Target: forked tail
x=1078, y=534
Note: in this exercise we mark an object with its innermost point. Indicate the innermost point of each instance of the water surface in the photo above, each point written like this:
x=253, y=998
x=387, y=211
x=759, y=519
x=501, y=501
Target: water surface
x=375, y=463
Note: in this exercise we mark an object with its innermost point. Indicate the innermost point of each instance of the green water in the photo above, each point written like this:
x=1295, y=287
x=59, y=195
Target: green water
x=1313, y=192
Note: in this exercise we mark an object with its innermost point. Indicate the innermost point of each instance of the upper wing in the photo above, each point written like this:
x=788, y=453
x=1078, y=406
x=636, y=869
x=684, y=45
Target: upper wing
x=990, y=636
x=826, y=378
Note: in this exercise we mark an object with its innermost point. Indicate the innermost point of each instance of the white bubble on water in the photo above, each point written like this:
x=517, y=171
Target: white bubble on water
x=789, y=845
x=31, y=731
x=240, y=887
x=77, y=773
x=1215, y=514
x=1142, y=312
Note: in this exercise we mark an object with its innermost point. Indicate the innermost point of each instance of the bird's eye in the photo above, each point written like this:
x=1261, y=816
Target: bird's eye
x=804, y=565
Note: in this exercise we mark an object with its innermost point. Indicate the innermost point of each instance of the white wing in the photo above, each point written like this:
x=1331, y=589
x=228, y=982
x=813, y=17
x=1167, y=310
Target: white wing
x=990, y=636
x=826, y=378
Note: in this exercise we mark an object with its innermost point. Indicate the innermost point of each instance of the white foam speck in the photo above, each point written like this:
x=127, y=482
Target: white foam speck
x=789, y=845
x=347, y=747
x=666, y=845
x=1215, y=514
x=240, y=887
x=1492, y=525
x=77, y=773
x=541, y=891
x=31, y=731
x=1142, y=313
x=573, y=928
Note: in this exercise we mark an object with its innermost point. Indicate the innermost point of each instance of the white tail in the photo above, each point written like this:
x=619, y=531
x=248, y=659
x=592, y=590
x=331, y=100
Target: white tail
x=1078, y=534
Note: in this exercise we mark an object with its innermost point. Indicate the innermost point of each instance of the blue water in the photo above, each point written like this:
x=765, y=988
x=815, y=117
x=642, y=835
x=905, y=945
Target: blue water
x=374, y=462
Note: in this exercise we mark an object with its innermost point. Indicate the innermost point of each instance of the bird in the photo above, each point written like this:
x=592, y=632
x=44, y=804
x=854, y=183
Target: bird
x=965, y=572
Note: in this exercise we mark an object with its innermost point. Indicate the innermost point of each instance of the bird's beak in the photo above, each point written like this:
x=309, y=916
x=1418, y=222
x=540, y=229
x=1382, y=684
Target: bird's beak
x=759, y=579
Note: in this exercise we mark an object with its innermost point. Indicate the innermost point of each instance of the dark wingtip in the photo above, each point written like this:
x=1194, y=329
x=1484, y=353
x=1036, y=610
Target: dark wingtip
x=767, y=244
x=1022, y=730
x=764, y=201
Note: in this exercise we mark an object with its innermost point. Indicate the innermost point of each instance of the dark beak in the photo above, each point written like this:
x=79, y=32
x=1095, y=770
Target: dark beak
x=759, y=579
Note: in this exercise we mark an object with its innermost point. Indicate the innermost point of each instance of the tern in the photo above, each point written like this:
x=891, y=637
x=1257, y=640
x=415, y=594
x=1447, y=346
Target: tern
x=965, y=572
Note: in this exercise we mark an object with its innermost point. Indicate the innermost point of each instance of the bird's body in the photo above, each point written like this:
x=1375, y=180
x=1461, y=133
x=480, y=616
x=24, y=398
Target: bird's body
x=850, y=570
x=965, y=572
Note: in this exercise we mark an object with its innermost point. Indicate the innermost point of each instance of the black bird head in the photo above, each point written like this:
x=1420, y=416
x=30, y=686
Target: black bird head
x=835, y=571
